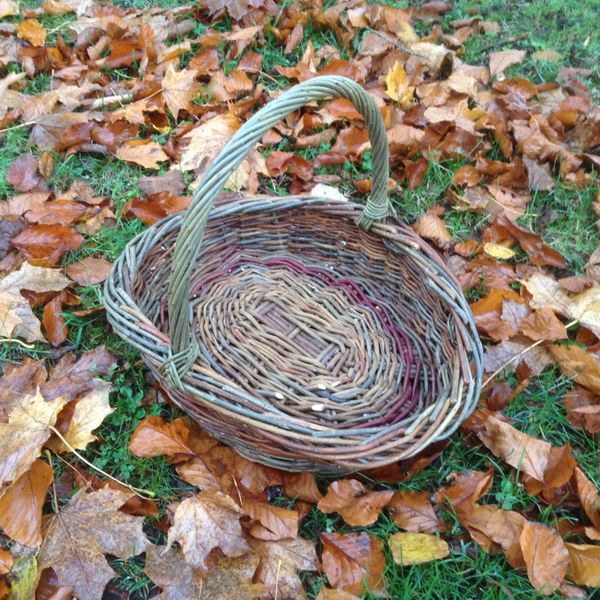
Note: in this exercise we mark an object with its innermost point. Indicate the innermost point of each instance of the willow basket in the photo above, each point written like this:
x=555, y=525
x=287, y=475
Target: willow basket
x=307, y=332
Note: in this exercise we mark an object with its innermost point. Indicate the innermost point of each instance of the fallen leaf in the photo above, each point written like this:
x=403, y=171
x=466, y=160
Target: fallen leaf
x=54, y=322
x=27, y=430
x=145, y=153
x=547, y=55
x=154, y=437
x=500, y=61
x=539, y=459
x=512, y=353
x=197, y=473
x=583, y=307
x=89, y=271
x=498, y=251
x=206, y=521
x=32, y=31
x=326, y=593
x=539, y=175
x=431, y=226
x=413, y=511
x=231, y=578
x=302, y=485
x=179, y=89
x=396, y=82
x=410, y=548
x=23, y=173
x=356, y=505
x=21, y=505
x=588, y=496
x=353, y=562
x=167, y=568
x=8, y=8
x=584, y=567
x=45, y=244
x=543, y=324
x=546, y=557
x=6, y=561
x=94, y=521
x=466, y=488
x=579, y=364
x=36, y=279
x=271, y=522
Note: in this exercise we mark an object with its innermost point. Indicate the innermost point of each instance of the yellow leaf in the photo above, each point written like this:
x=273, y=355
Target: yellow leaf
x=31, y=31
x=397, y=85
x=498, y=251
x=142, y=152
x=414, y=548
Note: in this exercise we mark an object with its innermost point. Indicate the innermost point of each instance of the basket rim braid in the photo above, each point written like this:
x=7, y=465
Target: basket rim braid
x=308, y=332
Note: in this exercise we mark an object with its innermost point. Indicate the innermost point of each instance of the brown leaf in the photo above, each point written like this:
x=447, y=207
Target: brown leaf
x=539, y=459
x=170, y=182
x=179, y=89
x=23, y=436
x=89, y=271
x=145, y=153
x=546, y=557
x=539, y=175
x=167, y=568
x=579, y=364
x=99, y=528
x=54, y=322
x=584, y=568
x=6, y=561
x=31, y=31
x=500, y=61
x=45, y=244
x=271, y=522
x=512, y=353
x=154, y=437
x=197, y=473
x=431, y=226
x=356, y=505
x=410, y=548
x=21, y=506
x=588, y=496
x=326, y=593
x=302, y=486
x=582, y=408
x=23, y=173
x=206, y=521
x=466, y=488
x=413, y=511
x=543, y=325
x=353, y=562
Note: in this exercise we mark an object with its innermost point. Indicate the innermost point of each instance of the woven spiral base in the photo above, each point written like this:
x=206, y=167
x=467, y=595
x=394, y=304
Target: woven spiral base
x=322, y=346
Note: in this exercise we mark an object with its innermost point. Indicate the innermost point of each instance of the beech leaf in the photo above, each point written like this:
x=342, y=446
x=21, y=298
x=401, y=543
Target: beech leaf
x=154, y=437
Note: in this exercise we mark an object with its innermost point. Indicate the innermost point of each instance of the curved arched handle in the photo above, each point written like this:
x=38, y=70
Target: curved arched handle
x=184, y=348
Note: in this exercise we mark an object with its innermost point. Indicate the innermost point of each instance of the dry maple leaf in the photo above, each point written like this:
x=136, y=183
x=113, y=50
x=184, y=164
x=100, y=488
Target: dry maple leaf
x=584, y=307
x=154, y=437
x=145, y=153
x=197, y=473
x=396, y=82
x=353, y=562
x=539, y=459
x=512, y=352
x=546, y=557
x=413, y=511
x=167, y=568
x=584, y=567
x=356, y=505
x=206, y=521
x=179, y=89
x=410, y=548
x=271, y=522
x=77, y=538
x=89, y=413
x=500, y=61
x=21, y=506
x=27, y=430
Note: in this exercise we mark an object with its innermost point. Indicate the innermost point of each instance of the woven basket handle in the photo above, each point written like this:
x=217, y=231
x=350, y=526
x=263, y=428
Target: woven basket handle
x=184, y=348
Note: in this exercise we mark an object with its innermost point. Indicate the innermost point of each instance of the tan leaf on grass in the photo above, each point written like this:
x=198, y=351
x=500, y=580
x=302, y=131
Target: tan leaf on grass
x=32, y=31
x=89, y=270
x=578, y=363
x=301, y=485
x=271, y=522
x=584, y=568
x=154, y=437
x=88, y=414
x=413, y=511
x=206, y=521
x=99, y=528
x=466, y=488
x=179, y=89
x=512, y=353
x=17, y=319
x=430, y=225
x=539, y=459
x=356, y=505
x=583, y=307
x=546, y=557
x=27, y=430
x=145, y=153
x=500, y=61
x=353, y=562
x=36, y=279
x=588, y=496
x=21, y=506
x=410, y=548
x=167, y=568
x=197, y=473
x=396, y=82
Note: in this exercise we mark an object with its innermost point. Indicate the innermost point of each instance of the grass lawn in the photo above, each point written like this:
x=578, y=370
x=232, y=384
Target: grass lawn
x=571, y=29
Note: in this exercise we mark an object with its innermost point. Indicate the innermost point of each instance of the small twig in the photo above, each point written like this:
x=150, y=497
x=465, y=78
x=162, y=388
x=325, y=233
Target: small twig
x=15, y=341
x=398, y=45
x=20, y=126
x=277, y=579
x=109, y=100
x=511, y=360
x=137, y=491
x=54, y=496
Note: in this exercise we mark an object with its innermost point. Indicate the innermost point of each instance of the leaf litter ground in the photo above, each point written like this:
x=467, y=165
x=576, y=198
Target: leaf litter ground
x=110, y=114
